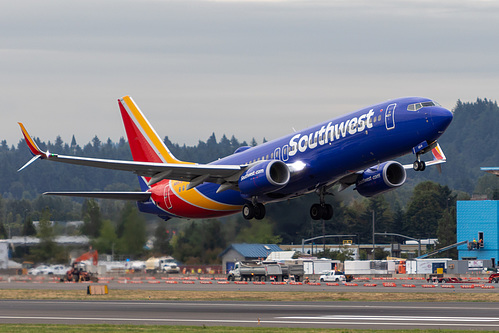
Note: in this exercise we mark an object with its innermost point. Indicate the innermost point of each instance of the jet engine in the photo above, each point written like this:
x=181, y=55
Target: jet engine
x=264, y=177
x=383, y=178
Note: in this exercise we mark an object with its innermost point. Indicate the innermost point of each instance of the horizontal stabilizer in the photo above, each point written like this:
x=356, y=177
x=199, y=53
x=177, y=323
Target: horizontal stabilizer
x=136, y=196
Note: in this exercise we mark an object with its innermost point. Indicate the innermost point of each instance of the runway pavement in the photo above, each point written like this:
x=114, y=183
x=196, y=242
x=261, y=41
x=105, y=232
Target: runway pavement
x=382, y=315
x=379, y=315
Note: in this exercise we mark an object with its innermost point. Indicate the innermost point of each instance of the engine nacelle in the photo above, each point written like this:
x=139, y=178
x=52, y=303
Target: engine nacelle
x=264, y=177
x=386, y=177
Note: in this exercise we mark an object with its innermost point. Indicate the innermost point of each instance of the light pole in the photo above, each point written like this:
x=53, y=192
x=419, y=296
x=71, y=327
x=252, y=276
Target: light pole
x=412, y=238
x=374, y=242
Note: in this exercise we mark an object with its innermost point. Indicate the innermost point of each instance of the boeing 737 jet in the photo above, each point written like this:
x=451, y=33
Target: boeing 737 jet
x=353, y=150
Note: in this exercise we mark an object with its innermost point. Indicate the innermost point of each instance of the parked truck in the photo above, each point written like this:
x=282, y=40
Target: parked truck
x=334, y=276
x=265, y=271
x=162, y=265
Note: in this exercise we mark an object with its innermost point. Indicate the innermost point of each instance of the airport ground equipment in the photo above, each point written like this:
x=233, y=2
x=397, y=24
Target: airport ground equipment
x=79, y=271
x=442, y=249
x=265, y=271
x=494, y=278
x=162, y=264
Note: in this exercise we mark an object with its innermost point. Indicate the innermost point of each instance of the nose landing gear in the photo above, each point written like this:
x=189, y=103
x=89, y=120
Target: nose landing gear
x=419, y=165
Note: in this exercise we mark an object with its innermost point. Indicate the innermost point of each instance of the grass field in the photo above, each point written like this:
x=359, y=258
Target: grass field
x=205, y=329
x=249, y=296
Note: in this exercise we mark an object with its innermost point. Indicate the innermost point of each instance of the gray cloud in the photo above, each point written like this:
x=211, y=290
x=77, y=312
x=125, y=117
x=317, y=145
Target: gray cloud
x=252, y=69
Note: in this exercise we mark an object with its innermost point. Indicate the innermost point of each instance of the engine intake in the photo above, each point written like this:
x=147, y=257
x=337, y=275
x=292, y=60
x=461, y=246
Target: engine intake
x=264, y=177
x=386, y=177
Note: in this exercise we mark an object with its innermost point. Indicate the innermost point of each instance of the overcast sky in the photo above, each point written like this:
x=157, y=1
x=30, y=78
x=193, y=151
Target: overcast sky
x=244, y=68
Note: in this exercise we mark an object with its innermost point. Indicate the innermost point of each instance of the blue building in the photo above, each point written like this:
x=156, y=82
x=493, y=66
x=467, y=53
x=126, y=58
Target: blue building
x=478, y=220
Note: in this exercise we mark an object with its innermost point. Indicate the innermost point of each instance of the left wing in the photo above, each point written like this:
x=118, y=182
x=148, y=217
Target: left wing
x=193, y=173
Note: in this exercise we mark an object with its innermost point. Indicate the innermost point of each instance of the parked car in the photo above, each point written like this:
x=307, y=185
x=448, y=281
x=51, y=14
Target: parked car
x=58, y=269
x=40, y=270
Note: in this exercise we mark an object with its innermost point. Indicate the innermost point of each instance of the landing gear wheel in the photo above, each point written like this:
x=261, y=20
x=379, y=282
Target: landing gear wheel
x=248, y=211
x=327, y=212
x=419, y=165
x=316, y=212
x=254, y=211
x=259, y=211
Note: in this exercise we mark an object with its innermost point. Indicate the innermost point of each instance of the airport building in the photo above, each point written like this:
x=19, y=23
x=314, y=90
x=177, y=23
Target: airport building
x=246, y=252
x=478, y=223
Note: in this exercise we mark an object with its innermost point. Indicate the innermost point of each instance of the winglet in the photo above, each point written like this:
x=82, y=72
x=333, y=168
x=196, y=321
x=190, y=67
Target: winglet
x=438, y=154
x=33, y=147
x=30, y=142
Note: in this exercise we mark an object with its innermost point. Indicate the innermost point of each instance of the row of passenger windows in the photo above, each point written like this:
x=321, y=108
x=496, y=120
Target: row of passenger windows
x=262, y=158
x=417, y=106
x=314, y=139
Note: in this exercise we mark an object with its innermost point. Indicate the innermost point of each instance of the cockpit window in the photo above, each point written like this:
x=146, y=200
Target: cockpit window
x=417, y=106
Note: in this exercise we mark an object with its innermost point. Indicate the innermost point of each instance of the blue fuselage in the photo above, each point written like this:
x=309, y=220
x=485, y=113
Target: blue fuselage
x=340, y=146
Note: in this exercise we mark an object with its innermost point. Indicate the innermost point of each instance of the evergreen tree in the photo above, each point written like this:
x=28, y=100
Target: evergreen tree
x=425, y=209
x=261, y=232
x=3, y=231
x=134, y=236
x=92, y=221
x=446, y=231
x=162, y=239
x=107, y=239
x=48, y=251
x=28, y=226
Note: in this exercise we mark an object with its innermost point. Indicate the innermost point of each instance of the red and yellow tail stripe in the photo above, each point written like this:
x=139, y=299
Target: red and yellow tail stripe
x=145, y=143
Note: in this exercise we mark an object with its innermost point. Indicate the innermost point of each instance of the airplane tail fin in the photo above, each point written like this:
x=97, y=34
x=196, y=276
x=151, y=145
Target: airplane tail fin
x=145, y=143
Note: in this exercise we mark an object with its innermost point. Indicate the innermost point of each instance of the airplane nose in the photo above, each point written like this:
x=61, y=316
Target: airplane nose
x=441, y=118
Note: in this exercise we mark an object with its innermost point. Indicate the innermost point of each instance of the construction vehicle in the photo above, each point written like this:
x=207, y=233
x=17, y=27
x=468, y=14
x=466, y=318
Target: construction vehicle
x=26, y=266
x=79, y=271
x=494, y=278
x=265, y=271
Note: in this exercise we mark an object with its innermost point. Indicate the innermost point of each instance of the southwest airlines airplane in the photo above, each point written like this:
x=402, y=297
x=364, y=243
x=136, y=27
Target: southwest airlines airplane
x=353, y=150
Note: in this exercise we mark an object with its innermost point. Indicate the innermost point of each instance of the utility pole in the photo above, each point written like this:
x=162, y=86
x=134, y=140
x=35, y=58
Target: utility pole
x=374, y=246
x=323, y=236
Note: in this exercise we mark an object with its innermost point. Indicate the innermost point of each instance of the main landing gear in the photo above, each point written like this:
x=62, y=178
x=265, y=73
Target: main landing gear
x=419, y=165
x=321, y=210
x=253, y=210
